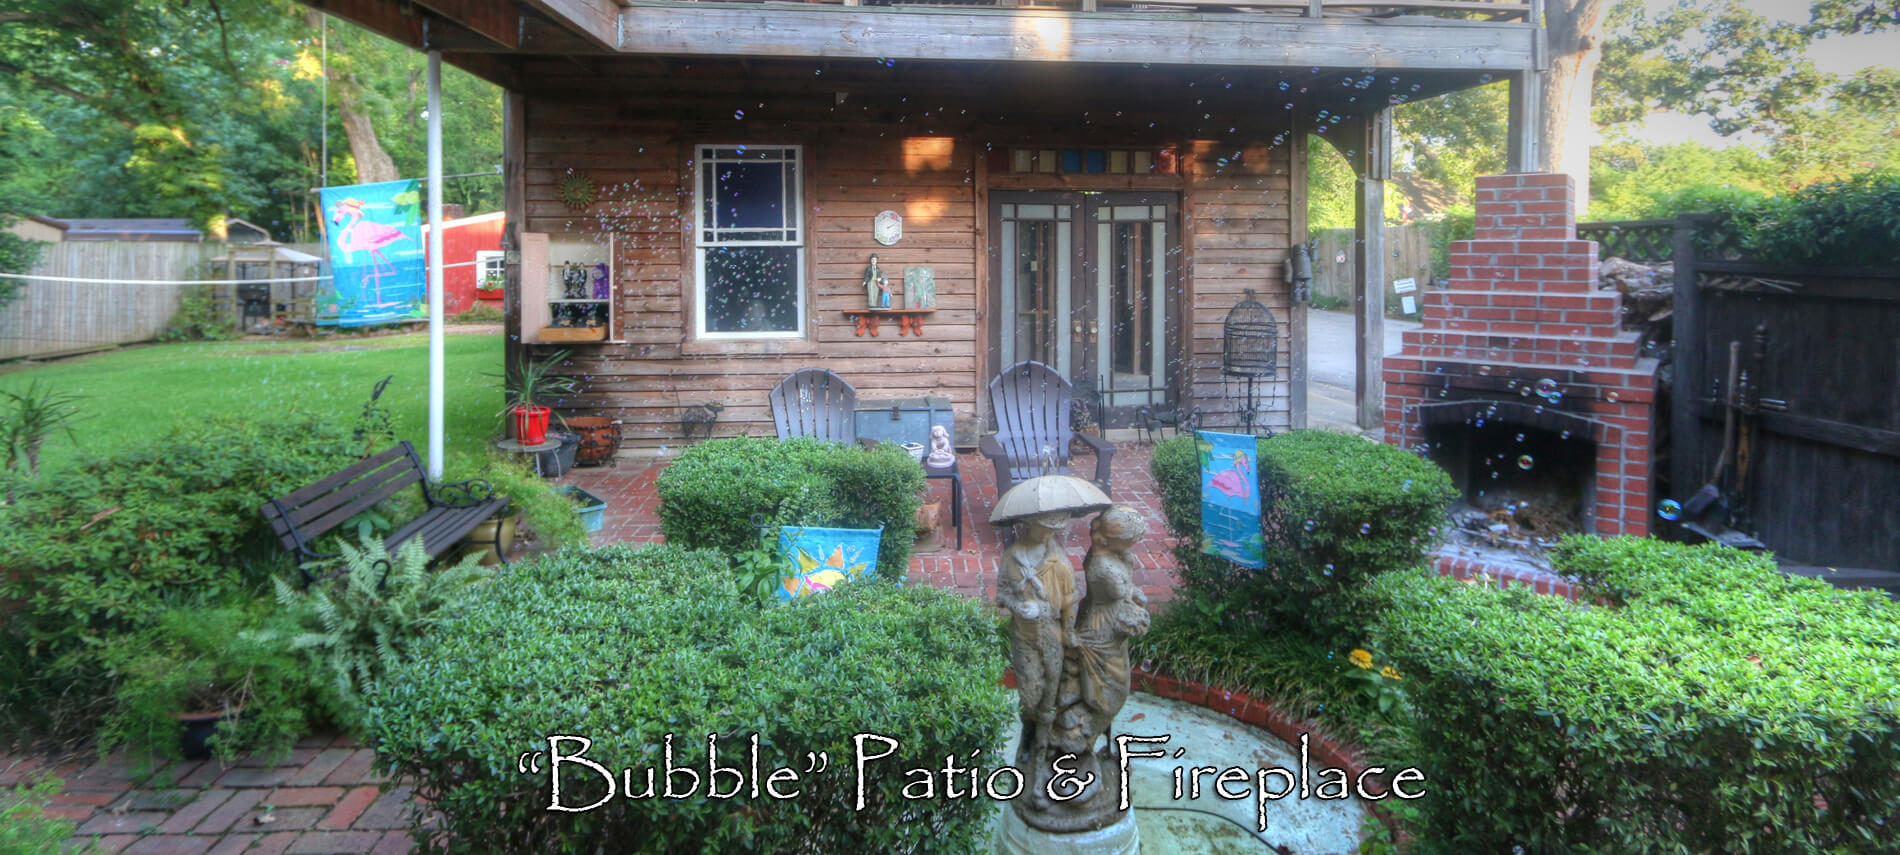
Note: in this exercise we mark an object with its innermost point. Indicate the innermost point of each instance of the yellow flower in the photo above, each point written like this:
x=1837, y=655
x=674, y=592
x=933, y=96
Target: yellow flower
x=1390, y=674
x=1361, y=658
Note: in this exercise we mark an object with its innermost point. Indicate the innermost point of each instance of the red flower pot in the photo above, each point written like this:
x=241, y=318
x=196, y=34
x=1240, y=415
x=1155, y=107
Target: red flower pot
x=531, y=425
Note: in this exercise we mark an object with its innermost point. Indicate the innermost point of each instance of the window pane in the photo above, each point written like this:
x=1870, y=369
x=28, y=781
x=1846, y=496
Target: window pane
x=752, y=289
x=750, y=196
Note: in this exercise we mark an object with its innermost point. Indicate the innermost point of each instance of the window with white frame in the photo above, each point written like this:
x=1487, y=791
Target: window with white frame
x=490, y=268
x=749, y=242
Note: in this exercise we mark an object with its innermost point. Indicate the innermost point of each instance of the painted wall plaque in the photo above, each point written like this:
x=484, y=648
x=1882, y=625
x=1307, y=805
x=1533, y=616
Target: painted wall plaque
x=888, y=227
x=920, y=288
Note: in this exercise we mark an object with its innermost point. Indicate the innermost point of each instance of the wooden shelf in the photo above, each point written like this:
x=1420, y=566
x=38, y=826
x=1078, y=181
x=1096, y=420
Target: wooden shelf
x=573, y=334
x=908, y=320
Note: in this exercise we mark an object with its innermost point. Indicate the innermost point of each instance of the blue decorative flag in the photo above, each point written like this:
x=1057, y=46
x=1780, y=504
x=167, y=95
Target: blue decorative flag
x=819, y=559
x=1230, y=498
x=376, y=254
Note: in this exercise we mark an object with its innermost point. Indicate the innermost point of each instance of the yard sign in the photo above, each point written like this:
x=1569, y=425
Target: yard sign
x=376, y=257
x=1230, y=498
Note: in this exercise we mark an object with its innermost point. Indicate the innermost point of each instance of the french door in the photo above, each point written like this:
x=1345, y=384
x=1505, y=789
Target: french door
x=1088, y=283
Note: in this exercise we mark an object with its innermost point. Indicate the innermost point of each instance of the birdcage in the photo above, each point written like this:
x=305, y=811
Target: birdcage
x=1250, y=349
x=1250, y=343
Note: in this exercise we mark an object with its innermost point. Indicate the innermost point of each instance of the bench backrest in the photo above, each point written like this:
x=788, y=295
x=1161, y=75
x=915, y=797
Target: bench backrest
x=815, y=402
x=1031, y=403
x=300, y=517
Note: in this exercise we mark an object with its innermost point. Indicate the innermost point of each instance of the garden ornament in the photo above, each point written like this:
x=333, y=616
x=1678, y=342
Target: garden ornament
x=941, y=457
x=873, y=287
x=1070, y=656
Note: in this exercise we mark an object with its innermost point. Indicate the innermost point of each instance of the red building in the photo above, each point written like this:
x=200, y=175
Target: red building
x=471, y=248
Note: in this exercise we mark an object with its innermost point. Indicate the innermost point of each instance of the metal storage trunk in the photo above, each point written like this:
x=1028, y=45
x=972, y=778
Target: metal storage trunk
x=901, y=419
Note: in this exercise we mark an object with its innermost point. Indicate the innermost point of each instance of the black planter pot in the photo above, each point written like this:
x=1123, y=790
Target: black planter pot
x=555, y=463
x=196, y=730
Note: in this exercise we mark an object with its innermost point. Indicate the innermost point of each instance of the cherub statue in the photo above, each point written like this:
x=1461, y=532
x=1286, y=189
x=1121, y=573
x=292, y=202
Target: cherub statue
x=941, y=457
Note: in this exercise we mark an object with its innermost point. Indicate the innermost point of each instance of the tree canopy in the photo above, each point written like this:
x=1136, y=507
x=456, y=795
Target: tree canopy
x=207, y=109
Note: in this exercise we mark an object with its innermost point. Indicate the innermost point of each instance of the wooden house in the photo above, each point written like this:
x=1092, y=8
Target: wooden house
x=1091, y=183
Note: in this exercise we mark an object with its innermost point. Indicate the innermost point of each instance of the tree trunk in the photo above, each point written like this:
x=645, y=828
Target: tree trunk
x=1563, y=129
x=373, y=164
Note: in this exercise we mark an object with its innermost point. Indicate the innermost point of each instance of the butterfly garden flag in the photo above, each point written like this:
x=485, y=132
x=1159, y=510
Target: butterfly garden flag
x=819, y=559
x=1230, y=498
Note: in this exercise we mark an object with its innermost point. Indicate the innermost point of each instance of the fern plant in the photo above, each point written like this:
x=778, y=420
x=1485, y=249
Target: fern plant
x=363, y=622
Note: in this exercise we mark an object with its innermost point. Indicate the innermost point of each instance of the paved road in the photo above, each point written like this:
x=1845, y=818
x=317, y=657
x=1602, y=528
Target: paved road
x=1331, y=366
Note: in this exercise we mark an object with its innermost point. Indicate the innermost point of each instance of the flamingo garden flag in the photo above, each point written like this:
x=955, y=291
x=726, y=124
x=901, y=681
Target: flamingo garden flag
x=819, y=559
x=376, y=255
x=1230, y=498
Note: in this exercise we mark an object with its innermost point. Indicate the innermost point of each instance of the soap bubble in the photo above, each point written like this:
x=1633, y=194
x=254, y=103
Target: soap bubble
x=1520, y=437
x=1669, y=509
x=738, y=114
x=1407, y=486
x=1147, y=664
x=1328, y=571
x=1365, y=528
x=1547, y=387
x=1524, y=461
x=1309, y=525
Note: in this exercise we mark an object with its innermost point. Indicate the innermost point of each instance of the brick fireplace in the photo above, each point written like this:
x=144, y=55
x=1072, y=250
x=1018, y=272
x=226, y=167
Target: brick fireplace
x=1521, y=378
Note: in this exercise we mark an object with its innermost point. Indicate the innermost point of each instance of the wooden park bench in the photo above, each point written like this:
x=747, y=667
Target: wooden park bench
x=299, y=518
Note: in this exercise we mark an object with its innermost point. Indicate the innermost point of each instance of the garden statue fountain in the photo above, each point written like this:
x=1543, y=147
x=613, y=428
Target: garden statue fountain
x=1071, y=661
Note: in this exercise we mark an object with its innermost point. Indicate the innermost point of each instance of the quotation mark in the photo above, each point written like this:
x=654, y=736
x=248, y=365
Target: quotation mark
x=529, y=762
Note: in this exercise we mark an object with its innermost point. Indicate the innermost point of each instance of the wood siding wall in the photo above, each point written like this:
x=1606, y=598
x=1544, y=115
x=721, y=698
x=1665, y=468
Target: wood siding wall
x=1235, y=236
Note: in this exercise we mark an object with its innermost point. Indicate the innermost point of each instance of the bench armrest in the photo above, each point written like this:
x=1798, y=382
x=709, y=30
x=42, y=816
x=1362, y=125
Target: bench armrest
x=460, y=494
x=1104, y=452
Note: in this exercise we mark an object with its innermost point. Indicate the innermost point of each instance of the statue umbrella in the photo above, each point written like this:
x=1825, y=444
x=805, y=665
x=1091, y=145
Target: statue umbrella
x=1049, y=494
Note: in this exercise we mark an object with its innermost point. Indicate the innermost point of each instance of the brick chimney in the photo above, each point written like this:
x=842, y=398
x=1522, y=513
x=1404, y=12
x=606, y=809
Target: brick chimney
x=1523, y=338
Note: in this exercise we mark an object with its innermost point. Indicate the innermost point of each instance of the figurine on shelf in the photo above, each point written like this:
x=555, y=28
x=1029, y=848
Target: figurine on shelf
x=941, y=457
x=573, y=281
x=602, y=288
x=886, y=291
x=873, y=285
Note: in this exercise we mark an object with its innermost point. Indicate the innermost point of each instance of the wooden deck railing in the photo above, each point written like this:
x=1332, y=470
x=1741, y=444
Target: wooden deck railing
x=1478, y=10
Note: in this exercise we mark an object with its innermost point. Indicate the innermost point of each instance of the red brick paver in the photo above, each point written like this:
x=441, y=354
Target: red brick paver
x=633, y=516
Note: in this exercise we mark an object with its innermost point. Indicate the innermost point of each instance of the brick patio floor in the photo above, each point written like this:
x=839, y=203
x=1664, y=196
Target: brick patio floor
x=633, y=516
x=323, y=797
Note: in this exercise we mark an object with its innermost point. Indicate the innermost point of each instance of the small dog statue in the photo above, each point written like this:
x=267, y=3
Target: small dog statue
x=699, y=418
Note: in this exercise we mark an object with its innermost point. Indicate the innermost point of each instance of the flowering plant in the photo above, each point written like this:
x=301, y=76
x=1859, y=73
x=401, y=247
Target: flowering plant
x=1380, y=684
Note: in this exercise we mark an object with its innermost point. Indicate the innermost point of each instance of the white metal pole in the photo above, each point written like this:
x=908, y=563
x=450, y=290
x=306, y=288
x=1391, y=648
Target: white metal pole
x=436, y=373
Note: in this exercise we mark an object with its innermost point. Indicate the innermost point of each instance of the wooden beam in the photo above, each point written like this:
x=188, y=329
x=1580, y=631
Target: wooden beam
x=493, y=21
x=1296, y=311
x=514, y=202
x=1014, y=35
x=1521, y=153
x=596, y=20
x=1374, y=165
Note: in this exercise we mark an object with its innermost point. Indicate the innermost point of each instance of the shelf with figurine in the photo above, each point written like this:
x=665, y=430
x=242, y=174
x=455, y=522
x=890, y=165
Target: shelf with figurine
x=916, y=300
x=568, y=282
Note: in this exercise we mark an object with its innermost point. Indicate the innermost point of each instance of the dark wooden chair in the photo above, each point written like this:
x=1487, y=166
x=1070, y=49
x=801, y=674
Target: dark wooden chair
x=453, y=511
x=1031, y=402
x=817, y=403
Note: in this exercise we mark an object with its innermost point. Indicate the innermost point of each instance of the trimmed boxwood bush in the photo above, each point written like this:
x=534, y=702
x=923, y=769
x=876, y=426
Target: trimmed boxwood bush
x=1337, y=511
x=1705, y=704
x=624, y=646
x=710, y=495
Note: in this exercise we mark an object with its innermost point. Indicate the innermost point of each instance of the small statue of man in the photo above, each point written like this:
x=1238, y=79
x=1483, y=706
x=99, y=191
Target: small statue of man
x=873, y=285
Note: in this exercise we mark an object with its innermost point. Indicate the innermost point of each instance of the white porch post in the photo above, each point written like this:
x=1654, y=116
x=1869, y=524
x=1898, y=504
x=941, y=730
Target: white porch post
x=436, y=374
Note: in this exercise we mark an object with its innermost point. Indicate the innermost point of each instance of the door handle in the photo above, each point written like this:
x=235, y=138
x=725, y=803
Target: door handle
x=1076, y=330
x=1093, y=331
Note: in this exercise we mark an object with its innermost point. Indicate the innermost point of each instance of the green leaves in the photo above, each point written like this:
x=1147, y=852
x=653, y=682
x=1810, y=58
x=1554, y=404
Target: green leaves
x=627, y=645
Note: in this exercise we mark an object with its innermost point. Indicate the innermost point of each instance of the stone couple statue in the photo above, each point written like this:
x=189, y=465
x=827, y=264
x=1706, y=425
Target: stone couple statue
x=1071, y=661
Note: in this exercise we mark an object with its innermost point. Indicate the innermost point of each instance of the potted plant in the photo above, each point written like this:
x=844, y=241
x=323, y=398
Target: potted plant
x=206, y=682
x=527, y=386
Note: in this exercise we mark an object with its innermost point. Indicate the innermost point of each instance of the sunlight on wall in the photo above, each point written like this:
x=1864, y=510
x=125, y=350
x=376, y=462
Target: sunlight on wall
x=1042, y=38
x=928, y=154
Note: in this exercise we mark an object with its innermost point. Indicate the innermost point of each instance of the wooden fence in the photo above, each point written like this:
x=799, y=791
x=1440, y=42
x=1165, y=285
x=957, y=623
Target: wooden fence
x=1814, y=467
x=53, y=318
x=1333, y=267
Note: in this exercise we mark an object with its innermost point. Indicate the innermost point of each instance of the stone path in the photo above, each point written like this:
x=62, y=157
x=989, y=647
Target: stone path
x=322, y=798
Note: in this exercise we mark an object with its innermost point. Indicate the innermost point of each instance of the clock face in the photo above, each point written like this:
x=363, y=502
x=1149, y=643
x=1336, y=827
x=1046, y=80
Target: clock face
x=888, y=227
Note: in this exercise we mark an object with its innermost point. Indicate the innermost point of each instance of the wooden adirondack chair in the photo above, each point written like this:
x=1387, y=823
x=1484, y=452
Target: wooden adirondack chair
x=1031, y=402
x=815, y=402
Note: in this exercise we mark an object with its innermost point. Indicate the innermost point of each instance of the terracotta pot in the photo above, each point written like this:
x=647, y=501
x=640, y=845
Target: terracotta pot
x=481, y=541
x=531, y=425
x=600, y=439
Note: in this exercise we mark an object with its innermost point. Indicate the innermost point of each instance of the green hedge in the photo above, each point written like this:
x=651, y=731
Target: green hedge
x=1337, y=511
x=624, y=646
x=709, y=496
x=101, y=549
x=1712, y=706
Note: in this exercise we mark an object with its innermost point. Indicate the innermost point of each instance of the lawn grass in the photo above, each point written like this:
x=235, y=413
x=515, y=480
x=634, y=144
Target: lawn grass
x=131, y=394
